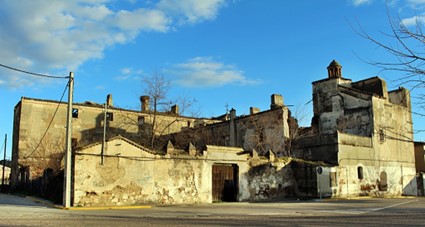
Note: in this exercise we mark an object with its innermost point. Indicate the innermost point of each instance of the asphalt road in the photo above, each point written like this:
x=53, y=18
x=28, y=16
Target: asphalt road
x=21, y=211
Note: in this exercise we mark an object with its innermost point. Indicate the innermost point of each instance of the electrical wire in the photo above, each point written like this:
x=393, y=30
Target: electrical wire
x=2, y=146
x=50, y=123
x=34, y=74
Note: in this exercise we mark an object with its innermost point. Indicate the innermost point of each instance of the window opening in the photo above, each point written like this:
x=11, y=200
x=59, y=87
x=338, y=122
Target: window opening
x=360, y=173
x=110, y=116
x=381, y=135
x=141, y=120
x=74, y=113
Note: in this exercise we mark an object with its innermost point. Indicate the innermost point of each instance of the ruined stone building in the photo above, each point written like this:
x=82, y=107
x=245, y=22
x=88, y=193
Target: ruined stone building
x=360, y=143
x=36, y=163
x=365, y=132
x=261, y=131
x=39, y=131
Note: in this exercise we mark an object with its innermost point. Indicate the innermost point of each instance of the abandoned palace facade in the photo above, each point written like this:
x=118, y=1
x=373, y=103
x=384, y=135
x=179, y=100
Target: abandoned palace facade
x=360, y=143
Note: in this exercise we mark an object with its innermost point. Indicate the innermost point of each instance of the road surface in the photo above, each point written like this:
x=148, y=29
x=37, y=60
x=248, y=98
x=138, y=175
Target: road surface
x=15, y=210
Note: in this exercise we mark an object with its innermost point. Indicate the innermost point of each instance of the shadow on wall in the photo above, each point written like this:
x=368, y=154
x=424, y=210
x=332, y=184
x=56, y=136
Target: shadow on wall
x=49, y=186
x=94, y=135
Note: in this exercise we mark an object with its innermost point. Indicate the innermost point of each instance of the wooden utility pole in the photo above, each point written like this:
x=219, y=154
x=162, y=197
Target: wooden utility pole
x=105, y=113
x=68, y=152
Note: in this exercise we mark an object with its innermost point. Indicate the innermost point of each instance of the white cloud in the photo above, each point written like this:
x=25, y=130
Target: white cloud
x=129, y=73
x=361, y=2
x=206, y=72
x=46, y=36
x=416, y=2
x=412, y=21
x=192, y=11
x=142, y=19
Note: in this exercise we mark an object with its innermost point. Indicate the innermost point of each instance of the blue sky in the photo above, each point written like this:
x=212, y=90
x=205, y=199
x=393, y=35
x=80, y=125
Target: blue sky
x=234, y=53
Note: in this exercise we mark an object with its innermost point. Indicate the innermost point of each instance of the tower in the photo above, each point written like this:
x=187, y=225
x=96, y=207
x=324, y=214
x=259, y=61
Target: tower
x=334, y=70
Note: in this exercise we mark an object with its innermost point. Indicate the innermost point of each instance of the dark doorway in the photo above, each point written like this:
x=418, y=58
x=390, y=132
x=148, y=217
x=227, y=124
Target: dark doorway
x=224, y=182
x=420, y=184
x=383, y=186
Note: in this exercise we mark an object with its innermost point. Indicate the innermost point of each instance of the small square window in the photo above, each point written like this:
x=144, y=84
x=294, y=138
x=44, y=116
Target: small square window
x=110, y=116
x=141, y=120
x=74, y=113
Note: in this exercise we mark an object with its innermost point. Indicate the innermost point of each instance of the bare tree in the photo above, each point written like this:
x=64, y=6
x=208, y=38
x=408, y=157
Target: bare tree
x=407, y=45
x=157, y=88
x=299, y=115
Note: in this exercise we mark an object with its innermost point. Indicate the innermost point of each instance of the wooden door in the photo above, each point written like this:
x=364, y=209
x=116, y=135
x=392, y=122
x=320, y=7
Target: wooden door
x=224, y=182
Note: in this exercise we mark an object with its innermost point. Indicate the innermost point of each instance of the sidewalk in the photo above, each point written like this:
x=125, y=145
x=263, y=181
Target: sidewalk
x=52, y=205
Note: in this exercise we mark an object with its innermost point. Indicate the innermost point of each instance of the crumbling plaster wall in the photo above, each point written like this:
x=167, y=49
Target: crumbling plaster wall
x=374, y=131
x=374, y=159
x=130, y=176
x=271, y=179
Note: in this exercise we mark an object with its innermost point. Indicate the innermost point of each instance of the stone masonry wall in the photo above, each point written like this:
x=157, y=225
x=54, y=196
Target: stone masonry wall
x=35, y=116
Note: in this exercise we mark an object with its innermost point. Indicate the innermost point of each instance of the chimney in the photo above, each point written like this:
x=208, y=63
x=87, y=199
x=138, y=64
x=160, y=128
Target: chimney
x=175, y=109
x=232, y=114
x=253, y=110
x=144, y=99
x=276, y=101
x=109, y=100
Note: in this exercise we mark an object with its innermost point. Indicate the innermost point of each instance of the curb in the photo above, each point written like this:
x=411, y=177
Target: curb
x=104, y=208
x=49, y=204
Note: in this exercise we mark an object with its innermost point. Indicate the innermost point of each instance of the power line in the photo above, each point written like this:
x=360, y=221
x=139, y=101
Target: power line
x=50, y=123
x=2, y=146
x=34, y=74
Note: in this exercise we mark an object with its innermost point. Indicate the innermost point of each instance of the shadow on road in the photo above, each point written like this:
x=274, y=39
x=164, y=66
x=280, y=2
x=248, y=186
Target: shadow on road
x=14, y=200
